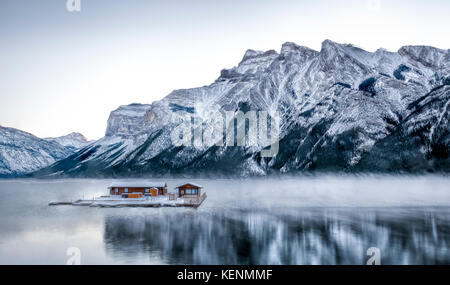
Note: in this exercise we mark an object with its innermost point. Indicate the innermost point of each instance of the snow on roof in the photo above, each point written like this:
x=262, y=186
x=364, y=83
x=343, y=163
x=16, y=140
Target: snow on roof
x=137, y=184
x=190, y=183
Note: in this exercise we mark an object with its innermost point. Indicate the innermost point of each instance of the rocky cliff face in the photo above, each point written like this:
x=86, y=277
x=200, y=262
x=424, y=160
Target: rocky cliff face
x=127, y=120
x=340, y=108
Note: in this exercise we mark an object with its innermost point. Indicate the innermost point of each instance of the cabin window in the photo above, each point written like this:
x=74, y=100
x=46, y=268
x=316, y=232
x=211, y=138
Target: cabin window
x=188, y=191
x=126, y=190
x=194, y=191
x=116, y=190
x=147, y=190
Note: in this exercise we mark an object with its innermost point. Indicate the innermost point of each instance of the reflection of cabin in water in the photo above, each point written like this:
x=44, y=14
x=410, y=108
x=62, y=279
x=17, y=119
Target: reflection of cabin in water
x=189, y=190
x=146, y=188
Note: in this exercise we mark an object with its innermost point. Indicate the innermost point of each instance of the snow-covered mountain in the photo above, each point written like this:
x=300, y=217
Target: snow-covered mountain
x=22, y=152
x=341, y=109
x=74, y=141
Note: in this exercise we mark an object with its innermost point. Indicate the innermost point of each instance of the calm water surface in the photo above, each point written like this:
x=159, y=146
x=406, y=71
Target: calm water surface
x=308, y=220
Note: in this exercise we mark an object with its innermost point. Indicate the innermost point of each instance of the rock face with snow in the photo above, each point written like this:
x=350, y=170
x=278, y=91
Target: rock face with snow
x=21, y=152
x=73, y=141
x=126, y=120
x=341, y=109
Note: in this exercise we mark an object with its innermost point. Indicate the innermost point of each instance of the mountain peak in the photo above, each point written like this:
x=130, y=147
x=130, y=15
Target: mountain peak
x=250, y=53
x=73, y=140
x=253, y=54
x=290, y=47
x=77, y=136
x=329, y=44
x=427, y=55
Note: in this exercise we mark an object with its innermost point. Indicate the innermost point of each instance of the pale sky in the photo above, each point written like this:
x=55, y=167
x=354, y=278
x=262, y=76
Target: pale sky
x=66, y=71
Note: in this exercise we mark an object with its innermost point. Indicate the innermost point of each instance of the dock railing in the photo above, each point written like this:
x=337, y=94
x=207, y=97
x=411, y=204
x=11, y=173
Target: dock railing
x=195, y=201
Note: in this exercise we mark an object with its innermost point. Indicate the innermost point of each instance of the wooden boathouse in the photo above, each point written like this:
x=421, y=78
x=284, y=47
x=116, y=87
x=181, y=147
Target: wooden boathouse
x=146, y=188
x=189, y=190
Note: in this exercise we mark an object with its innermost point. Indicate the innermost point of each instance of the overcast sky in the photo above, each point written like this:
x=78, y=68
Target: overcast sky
x=63, y=72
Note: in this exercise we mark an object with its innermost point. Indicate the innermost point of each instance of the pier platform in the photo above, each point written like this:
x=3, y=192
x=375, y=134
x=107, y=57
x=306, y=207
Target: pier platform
x=117, y=201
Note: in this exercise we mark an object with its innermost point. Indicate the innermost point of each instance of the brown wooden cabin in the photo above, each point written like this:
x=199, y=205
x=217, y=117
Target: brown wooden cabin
x=189, y=190
x=146, y=188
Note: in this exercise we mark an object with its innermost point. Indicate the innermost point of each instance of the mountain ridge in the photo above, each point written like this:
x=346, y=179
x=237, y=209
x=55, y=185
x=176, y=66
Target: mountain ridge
x=336, y=106
x=22, y=152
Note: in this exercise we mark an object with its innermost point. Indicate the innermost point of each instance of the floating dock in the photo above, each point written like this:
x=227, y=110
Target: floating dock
x=116, y=201
x=144, y=194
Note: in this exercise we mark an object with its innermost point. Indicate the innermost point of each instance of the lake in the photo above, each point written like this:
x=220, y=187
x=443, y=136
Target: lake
x=285, y=220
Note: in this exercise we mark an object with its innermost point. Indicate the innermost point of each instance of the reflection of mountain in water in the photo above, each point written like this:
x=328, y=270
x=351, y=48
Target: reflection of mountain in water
x=338, y=236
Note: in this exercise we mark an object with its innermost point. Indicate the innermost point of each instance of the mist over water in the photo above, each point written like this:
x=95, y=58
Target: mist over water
x=303, y=220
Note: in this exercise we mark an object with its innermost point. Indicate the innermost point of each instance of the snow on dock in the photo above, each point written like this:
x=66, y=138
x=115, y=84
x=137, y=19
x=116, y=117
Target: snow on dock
x=118, y=201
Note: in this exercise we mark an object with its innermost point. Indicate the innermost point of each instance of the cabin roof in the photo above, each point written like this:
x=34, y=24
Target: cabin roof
x=137, y=184
x=190, y=183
